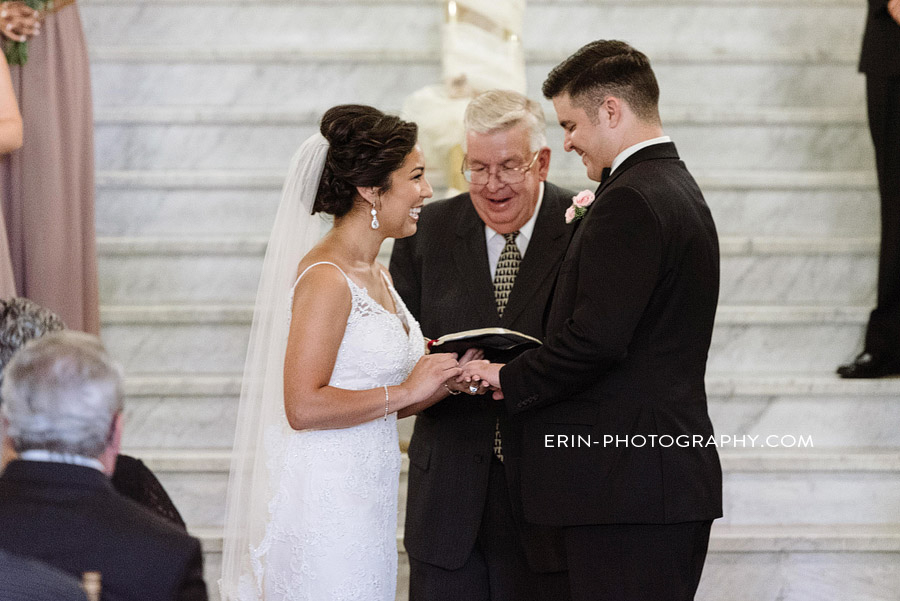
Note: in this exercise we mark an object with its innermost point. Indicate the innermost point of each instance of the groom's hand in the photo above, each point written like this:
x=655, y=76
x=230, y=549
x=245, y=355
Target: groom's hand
x=481, y=372
x=894, y=9
x=472, y=354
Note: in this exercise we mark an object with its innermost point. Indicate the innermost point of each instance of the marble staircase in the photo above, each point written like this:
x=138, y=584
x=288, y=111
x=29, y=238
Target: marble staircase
x=199, y=106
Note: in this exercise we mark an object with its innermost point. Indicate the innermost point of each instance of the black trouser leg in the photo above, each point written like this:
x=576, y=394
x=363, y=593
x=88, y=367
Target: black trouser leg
x=883, y=97
x=636, y=562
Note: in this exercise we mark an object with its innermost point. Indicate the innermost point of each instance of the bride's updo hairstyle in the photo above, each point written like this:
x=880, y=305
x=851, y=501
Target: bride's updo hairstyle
x=365, y=147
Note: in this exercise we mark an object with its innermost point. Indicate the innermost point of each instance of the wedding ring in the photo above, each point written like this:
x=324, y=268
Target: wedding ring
x=473, y=389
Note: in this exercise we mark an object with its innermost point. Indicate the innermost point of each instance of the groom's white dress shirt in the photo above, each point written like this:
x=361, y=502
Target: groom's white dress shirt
x=620, y=158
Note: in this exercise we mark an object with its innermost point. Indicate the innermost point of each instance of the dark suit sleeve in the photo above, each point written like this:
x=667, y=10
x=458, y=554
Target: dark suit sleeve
x=615, y=272
x=405, y=275
x=878, y=8
x=193, y=588
x=24, y=579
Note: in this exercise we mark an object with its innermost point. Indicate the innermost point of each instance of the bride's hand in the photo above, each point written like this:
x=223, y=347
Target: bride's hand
x=455, y=386
x=429, y=375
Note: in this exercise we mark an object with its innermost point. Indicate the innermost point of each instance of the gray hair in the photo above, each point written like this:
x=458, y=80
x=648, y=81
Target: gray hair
x=22, y=320
x=499, y=110
x=61, y=393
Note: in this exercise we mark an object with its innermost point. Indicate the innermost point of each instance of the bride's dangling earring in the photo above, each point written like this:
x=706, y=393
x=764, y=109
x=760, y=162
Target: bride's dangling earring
x=375, y=224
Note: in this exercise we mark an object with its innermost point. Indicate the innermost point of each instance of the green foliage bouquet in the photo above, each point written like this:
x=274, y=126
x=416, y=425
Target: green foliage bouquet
x=17, y=52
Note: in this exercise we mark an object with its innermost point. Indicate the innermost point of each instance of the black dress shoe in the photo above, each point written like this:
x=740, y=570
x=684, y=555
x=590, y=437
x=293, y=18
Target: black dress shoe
x=868, y=365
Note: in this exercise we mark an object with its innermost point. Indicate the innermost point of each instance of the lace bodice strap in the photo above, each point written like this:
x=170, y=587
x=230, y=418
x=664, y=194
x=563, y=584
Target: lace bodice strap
x=303, y=273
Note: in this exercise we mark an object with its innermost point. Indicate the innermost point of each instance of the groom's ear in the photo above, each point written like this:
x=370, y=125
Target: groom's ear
x=611, y=111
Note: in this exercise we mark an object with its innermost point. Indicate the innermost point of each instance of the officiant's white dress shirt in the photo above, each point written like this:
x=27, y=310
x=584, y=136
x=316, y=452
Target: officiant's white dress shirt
x=496, y=241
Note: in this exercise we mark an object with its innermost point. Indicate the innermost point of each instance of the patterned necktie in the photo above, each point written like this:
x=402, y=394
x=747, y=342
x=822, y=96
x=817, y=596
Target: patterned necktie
x=504, y=278
x=507, y=268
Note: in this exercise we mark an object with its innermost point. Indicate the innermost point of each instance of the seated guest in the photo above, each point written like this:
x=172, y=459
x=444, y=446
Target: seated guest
x=22, y=320
x=24, y=579
x=62, y=409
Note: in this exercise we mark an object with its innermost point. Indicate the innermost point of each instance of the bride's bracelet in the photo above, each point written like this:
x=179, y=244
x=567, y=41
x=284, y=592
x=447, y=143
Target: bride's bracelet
x=387, y=402
x=450, y=390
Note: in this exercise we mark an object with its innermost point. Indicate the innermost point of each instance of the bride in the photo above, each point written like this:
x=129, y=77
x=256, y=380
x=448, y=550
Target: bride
x=334, y=358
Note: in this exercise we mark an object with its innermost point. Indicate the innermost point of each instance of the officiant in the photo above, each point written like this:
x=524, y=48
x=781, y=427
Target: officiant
x=486, y=258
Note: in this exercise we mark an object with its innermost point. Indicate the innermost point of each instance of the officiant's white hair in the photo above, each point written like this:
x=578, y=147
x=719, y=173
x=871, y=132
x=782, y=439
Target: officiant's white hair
x=499, y=110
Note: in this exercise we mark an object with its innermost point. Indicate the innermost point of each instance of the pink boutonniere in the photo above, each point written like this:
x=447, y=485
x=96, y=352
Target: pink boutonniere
x=580, y=204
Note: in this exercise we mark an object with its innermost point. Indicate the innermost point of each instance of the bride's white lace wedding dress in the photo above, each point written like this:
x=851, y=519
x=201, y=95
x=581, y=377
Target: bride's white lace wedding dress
x=331, y=534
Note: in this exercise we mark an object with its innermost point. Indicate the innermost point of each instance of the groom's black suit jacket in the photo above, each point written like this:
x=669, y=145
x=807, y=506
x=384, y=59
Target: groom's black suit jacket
x=443, y=276
x=625, y=354
x=71, y=518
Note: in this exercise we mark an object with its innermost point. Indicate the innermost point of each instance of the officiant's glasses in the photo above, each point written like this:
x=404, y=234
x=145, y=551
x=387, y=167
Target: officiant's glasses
x=505, y=175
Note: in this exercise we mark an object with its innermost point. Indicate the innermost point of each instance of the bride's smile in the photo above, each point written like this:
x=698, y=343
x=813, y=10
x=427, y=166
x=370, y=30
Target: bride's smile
x=407, y=193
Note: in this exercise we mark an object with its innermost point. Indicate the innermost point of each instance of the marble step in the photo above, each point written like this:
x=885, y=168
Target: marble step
x=255, y=145
x=754, y=270
x=184, y=339
x=313, y=81
x=134, y=270
x=821, y=213
x=199, y=411
x=790, y=271
x=193, y=411
x=213, y=212
x=760, y=487
x=184, y=211
x=835, y=413
x=731, y=180
x=831, y=28
x=243, y=202
x=287, y=116
x=755, y=339
x=747, y=563
x=177, y=340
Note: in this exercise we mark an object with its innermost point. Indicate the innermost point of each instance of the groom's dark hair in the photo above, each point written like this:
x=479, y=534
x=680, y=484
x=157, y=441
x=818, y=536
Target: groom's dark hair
x=606, y=68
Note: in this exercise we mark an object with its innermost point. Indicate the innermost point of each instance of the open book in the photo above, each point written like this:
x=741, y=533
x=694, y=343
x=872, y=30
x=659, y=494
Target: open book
x=489, y=339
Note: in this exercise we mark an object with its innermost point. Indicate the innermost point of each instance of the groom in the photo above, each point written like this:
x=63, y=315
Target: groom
x=612, y=409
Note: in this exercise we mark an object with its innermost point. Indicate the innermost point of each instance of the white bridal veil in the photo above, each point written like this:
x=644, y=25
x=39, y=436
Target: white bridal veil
x=261, y=423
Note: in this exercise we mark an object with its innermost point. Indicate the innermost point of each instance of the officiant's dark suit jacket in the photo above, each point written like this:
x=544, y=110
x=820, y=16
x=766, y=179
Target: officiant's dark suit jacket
x=71, y=518
x=443, y=276
x=625, y=354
